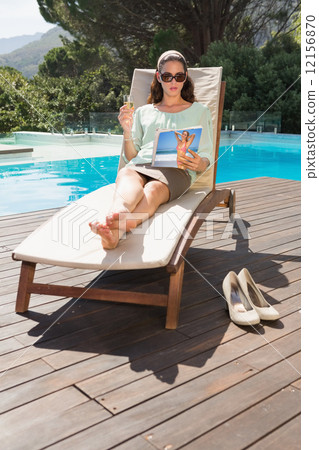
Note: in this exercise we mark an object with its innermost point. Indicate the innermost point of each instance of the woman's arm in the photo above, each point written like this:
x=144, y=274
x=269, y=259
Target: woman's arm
x=190, y=140
x=129, y=148
x=126, y=120
x=177, y=134
x=203, y=158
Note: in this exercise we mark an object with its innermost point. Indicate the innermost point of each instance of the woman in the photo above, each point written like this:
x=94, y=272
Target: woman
x=184, y=141
x=140, y=189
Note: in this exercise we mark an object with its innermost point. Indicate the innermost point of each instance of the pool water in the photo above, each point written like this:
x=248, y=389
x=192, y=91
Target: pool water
x=44, y=185
x=271, y=157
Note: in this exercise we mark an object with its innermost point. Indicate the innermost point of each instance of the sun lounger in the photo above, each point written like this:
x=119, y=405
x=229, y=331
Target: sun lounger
x=162, y=241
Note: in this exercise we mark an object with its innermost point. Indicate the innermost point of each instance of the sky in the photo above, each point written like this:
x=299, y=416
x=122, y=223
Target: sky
x=19, y=17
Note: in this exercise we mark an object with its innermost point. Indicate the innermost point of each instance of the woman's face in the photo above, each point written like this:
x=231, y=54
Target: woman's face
x=184, y=136
x=172, y=88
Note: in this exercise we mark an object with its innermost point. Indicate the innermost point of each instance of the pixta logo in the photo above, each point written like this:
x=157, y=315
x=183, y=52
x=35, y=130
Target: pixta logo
x=71, y=227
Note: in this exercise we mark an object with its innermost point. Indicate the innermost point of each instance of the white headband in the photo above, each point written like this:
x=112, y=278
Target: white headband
x=168, y=53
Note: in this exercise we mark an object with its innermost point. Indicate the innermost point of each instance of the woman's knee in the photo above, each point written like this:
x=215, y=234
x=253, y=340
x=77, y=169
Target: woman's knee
x=127, y=172
x=157, y=192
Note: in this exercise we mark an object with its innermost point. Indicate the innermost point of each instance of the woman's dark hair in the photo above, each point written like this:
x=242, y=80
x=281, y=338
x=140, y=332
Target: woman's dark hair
x=187, y=92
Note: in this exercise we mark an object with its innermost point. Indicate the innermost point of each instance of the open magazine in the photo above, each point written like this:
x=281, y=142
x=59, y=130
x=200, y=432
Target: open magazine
x=169, y=144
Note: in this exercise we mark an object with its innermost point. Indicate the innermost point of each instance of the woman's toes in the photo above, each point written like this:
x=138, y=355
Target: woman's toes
x=93, y=226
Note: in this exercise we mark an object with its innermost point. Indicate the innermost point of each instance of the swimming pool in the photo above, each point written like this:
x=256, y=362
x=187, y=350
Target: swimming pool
x=257, y=155
x=45, y=185
x=32, y=186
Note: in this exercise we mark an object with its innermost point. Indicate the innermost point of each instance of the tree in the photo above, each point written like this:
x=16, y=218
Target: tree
x=240, y=64
x=15, y=109
x=164, y=40
x=130, y=27
x=283, y=56
x=76, y=57
x=256, y=78
x=57, y=63
x=46, y=103
x=67, y=101
x=80, y=79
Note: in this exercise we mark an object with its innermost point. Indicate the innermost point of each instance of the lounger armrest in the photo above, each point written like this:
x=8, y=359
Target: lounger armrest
x=213, y=199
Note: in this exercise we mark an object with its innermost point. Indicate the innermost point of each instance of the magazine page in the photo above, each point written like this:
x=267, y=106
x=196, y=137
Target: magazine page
x=169, y=144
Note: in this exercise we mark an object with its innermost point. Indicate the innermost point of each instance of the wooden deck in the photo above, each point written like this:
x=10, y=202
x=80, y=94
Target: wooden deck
x=80, y=374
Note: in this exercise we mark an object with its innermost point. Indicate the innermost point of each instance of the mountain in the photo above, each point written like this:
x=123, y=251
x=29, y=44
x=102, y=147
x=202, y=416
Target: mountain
x=27, y=58
x=8, y=45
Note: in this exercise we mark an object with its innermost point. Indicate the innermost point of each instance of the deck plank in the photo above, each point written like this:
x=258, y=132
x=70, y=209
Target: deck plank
x=87, y=374
x=213, y=397
x=287, y=436
x=222, y=406
x=259, y=420
x=58, y=415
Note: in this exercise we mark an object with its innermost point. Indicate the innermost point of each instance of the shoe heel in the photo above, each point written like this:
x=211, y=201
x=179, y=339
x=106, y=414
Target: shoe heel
x=255, y=297
x=234, y=296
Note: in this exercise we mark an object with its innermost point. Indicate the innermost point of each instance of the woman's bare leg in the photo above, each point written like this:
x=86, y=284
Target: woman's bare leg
x=131, y=195
x=129, y=190
x=155, y=194
x=128, y=193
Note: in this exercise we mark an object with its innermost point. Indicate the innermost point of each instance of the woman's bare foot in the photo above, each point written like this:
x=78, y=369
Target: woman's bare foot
x=125, y=221
x=109, y=236
x=117, y=220
x=116, y=224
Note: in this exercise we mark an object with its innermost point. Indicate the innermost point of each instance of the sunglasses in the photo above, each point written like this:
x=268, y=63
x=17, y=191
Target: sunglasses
x=168, y=77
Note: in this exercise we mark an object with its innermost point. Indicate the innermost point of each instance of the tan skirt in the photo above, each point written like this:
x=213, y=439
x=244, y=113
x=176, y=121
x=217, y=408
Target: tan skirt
x=177, y=180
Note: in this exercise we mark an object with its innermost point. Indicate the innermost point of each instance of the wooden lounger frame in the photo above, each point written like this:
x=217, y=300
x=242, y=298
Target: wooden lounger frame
x=175, y=267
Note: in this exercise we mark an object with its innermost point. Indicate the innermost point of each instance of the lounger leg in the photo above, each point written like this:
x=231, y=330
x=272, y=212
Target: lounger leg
x=26, y=278
x=174, y=297
x=232, y=204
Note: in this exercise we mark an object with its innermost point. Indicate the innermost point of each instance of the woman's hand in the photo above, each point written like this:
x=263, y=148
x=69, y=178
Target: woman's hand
x=125, y=118
x=194, y=162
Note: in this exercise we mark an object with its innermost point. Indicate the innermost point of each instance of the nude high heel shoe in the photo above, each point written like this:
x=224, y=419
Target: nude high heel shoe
x=263, y=308
x=241, y=311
